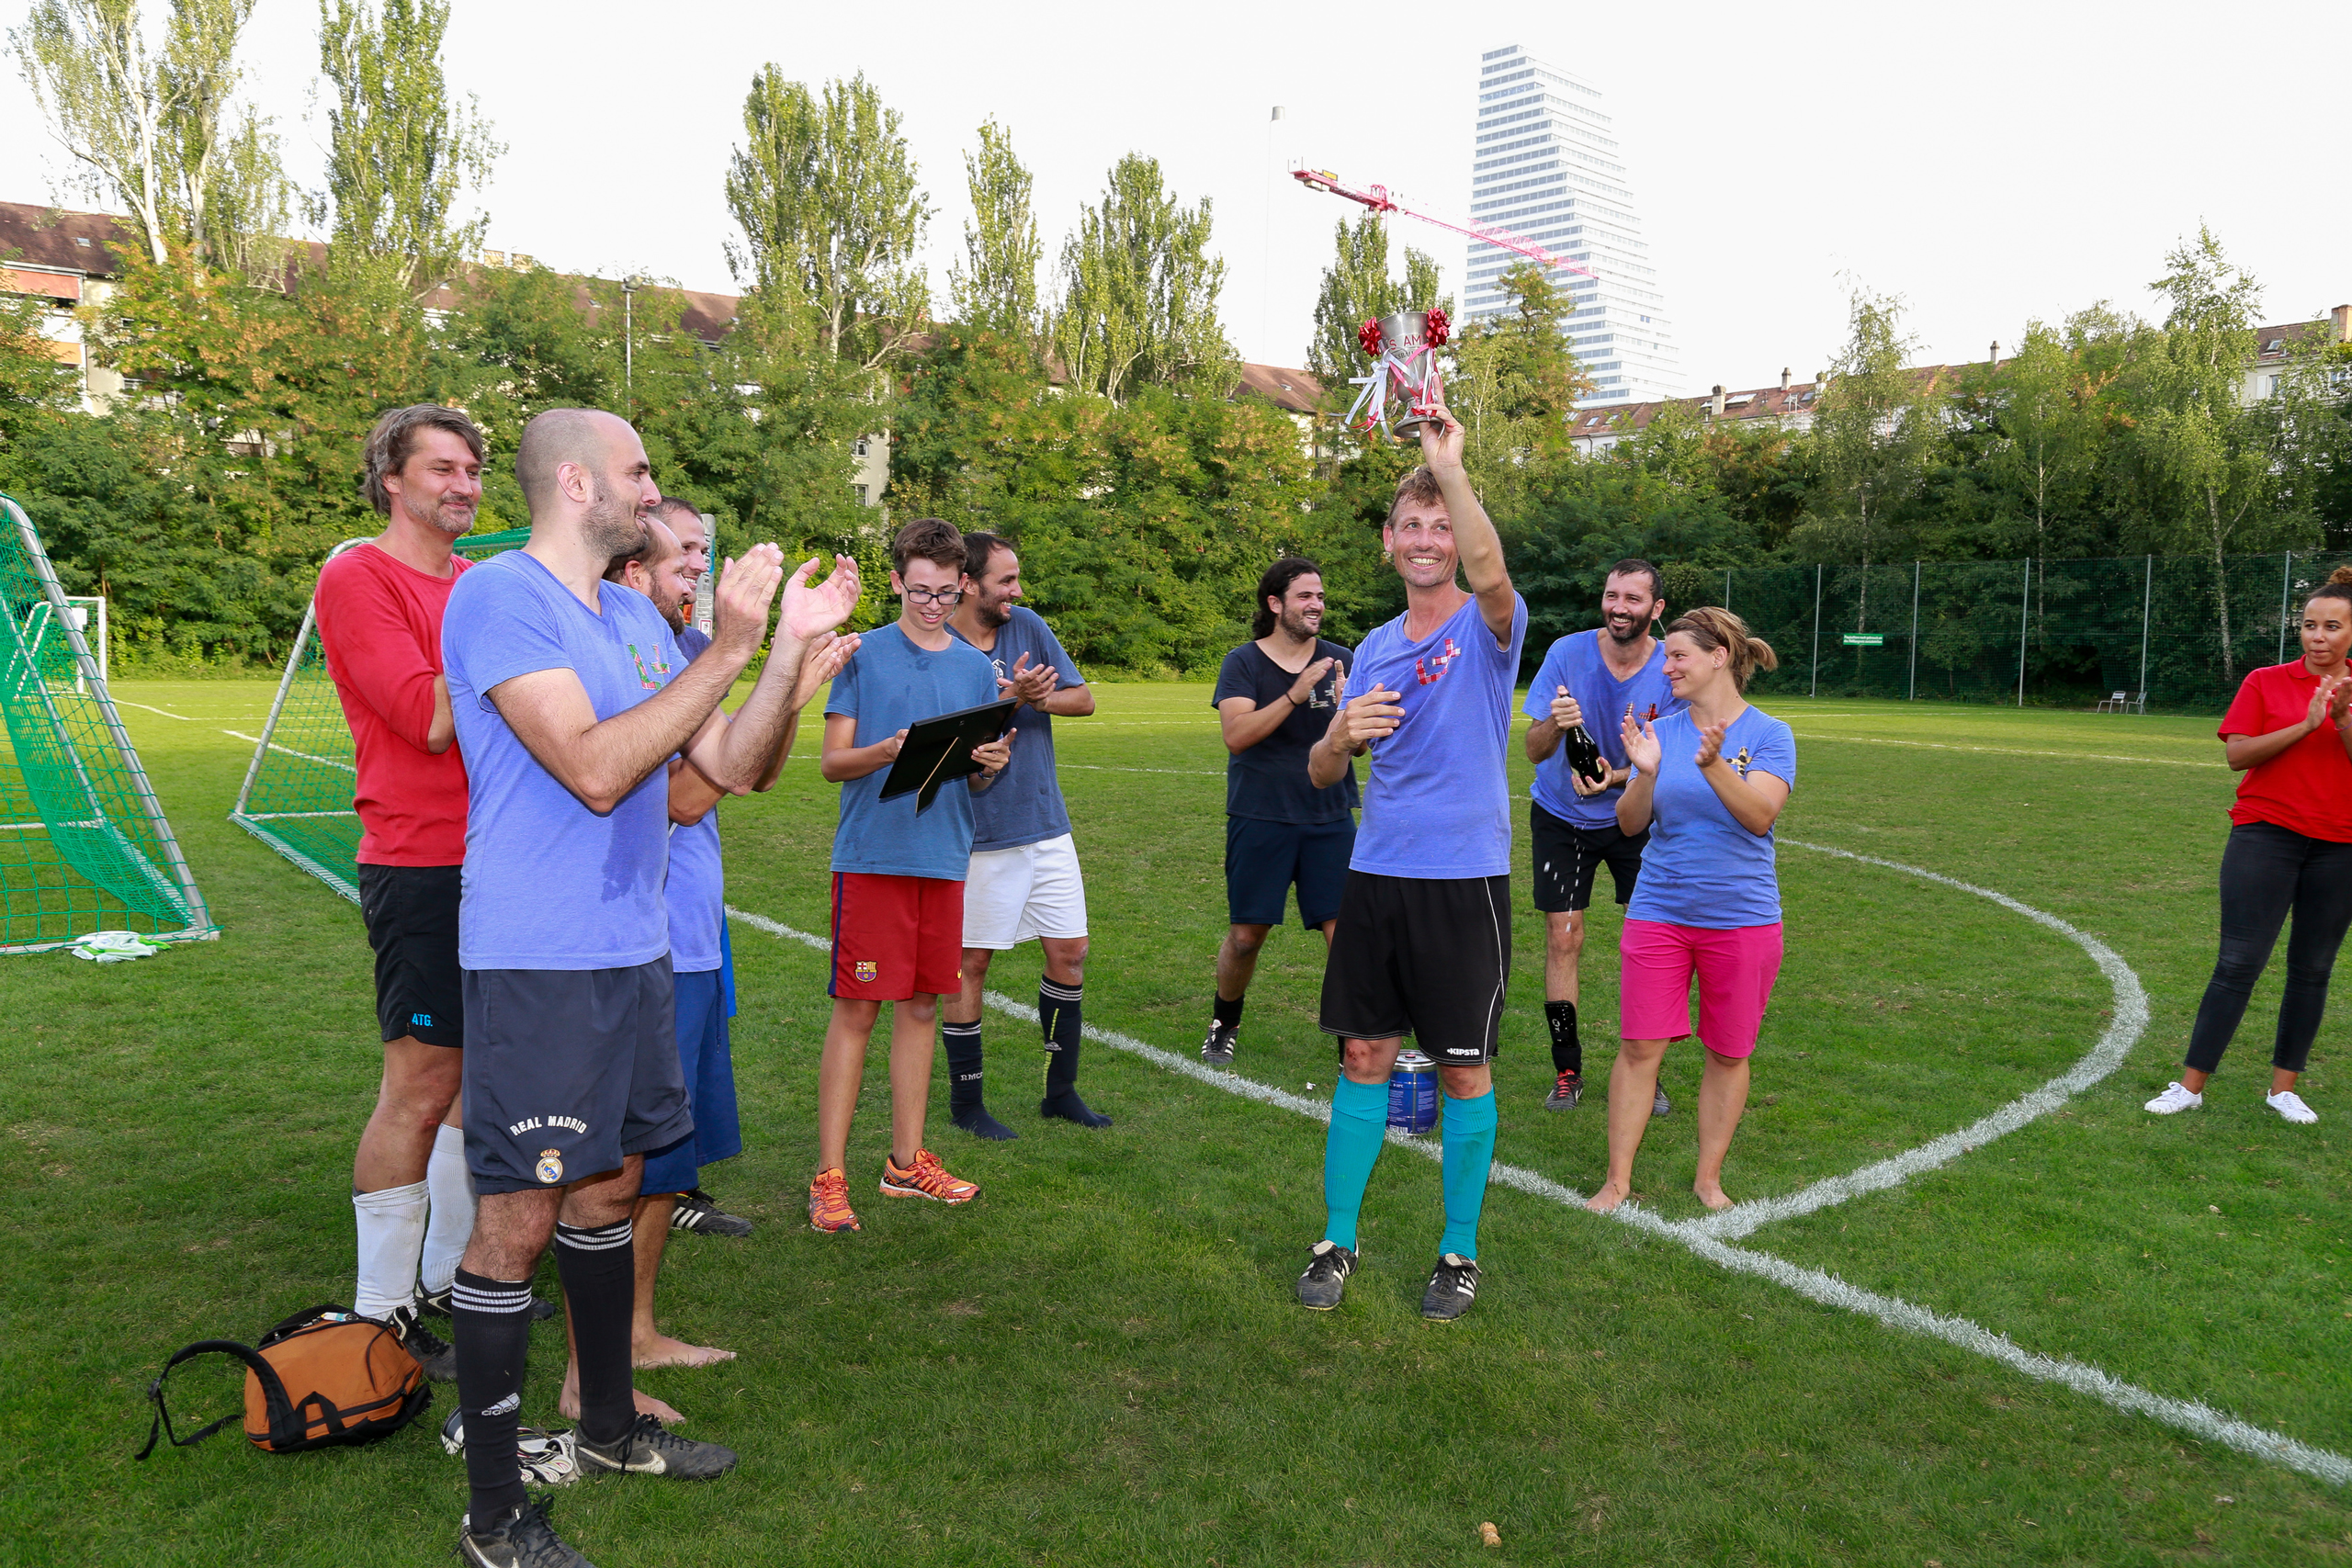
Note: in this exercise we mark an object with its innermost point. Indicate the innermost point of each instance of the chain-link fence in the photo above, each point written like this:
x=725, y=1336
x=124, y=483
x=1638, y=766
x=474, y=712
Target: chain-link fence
x=2052, y=632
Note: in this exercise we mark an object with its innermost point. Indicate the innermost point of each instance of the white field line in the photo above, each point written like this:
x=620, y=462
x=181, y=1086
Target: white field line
x=2130, y=1022
x=2199, y=1420
x=2008, y=750
x=127, y=703
x=323, y=761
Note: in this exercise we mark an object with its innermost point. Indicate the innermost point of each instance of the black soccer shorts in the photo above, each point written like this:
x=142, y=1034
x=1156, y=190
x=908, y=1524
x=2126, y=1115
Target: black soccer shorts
x=1421, y=956
x=1567, y=860
x=411, y=915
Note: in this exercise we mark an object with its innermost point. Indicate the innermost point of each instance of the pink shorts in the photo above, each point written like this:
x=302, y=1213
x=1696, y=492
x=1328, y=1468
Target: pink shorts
x=1736, y=968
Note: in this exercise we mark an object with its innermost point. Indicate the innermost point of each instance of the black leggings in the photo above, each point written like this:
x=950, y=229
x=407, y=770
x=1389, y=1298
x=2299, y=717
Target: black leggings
x=2265, y=870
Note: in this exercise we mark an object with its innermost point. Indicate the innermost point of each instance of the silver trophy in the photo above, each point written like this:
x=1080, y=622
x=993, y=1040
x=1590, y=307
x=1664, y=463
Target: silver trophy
x=1401, y=394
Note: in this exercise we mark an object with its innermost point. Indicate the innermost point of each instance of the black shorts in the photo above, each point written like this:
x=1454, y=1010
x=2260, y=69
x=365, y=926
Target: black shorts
x=1263, y=859
x=1567, y=857
x=411, y=915
x=567, y=1070
x=1424, y=957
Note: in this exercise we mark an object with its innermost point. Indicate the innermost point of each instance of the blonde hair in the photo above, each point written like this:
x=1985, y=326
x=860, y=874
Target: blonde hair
x=1712, y=628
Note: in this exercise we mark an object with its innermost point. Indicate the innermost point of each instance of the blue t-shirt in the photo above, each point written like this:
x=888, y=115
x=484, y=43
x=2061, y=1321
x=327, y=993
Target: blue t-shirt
x=696, y=892
x=891, y=685
x=1025, y=806
x=1438, y=802
x=1575, y=661
x=549, y=884
x=1702, y=867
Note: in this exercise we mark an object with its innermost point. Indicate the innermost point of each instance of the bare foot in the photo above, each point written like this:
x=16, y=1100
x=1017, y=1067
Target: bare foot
x=663, y=1351
x=568, y=1404
x=1713, y=1197
x=1607, y=1199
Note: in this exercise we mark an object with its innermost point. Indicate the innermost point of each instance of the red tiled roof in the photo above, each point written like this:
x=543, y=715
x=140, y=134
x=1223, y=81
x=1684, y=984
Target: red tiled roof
x=1295, y=391
x=52, y=237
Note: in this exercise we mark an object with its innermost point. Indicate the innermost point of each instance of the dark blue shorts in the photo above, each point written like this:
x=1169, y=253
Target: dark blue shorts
x=708, y=1066
x=1263, y=860
x=568, y=1070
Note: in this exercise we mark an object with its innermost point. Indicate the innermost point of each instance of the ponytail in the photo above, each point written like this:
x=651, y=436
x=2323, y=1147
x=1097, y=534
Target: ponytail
x=1712, y=628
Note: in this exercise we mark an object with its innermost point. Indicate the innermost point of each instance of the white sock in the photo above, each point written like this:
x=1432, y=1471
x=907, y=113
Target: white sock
x=453, y=1208
x=392, y=1231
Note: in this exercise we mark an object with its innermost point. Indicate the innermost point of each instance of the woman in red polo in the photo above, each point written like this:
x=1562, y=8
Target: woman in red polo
x=2291, y=847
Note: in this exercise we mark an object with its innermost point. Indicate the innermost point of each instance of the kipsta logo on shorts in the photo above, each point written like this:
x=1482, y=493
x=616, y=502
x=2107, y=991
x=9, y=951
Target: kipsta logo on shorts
x=647, y=680
x=1429, y=676
x=550, y=1167
x=866, y=970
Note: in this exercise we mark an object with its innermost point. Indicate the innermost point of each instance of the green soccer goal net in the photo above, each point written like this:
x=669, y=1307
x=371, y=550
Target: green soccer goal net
x=298, y=789
x=83, y=845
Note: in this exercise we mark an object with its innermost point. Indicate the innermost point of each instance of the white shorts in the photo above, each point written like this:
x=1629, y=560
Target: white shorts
x=1013, y=895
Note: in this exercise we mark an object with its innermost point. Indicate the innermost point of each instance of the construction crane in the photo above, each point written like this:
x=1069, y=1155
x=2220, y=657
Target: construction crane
x=1380, y=198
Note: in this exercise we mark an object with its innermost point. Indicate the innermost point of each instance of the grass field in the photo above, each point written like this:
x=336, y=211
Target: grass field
x=1101, y=1362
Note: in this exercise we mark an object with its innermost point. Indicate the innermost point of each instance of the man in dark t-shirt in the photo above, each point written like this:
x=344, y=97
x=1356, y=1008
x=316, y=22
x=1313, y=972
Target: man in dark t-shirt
x=1273, y=700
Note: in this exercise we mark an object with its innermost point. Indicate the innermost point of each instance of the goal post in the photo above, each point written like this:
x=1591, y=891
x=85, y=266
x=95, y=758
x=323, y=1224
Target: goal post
x=84, y=842
x=297, y=796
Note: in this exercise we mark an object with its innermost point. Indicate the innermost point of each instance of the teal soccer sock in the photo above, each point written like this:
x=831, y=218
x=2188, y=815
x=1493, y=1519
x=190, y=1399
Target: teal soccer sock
x=1469, y=1155
x=1358, y=1125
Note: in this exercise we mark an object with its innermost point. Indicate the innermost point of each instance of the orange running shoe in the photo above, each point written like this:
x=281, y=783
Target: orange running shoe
x=829, y=1207
x=929, y=1179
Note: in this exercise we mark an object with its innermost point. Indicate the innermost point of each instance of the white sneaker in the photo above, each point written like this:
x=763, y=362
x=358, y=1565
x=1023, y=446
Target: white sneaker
x=2175, y=1097
x=2289, y=1104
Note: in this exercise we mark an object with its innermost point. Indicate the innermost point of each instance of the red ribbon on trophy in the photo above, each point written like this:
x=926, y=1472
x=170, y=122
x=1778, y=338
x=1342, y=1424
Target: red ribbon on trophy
x=1402, y=348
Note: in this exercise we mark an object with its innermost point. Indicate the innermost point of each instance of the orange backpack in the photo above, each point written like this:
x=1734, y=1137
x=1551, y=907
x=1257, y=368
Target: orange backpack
x=358, y=1383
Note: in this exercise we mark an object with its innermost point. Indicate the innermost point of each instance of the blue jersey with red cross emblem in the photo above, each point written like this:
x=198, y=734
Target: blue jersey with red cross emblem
x=1438, y=802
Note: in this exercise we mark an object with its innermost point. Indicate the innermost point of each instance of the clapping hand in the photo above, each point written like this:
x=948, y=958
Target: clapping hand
x=1310, y=677
x=1373, y=716
x=1029, y=686
x=1711, y=745
x=2328, y=702
x=1642, y=748
x=746, y=588
x=820, y=663
x=810, y=609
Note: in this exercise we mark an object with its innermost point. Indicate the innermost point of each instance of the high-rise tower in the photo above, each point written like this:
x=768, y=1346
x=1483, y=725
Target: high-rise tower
x=1546, y=167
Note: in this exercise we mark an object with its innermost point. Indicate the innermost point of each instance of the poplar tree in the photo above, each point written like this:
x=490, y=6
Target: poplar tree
x=401, y=154
x=1357, y=289
x=1873, y=437
x=1139, y=289
x=996, y=286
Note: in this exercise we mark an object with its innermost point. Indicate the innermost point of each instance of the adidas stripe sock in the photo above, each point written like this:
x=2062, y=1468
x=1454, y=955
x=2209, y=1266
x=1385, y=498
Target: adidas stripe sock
x=1469, y=1159
x=1568, y=1051
x=452, y=1224
x=1359, y=1126
x=491, y=1320
x=598, y=1268
x=392, y=1233
x=1059, y=1017
x=964, y=1106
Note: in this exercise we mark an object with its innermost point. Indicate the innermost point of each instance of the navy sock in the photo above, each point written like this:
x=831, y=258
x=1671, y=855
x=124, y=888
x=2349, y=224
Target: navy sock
x=491, y=1322
x=964, y=1106
x=1058, y=1018
x=598, y=1268
x=1568, y=1051
x=1228, y=1013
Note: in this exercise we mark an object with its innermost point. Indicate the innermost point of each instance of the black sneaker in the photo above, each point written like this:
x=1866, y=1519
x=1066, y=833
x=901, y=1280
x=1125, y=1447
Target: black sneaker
x=436, y=1303
x=1565, y=1091
x=1325, y=1280
x=1661, y=1106
x=651, y=1449
x=694, y=1211
x=434, y=1354
x=524, y=1540
x=1453, y=1285
x=1217, y=1049
x=545, y=1456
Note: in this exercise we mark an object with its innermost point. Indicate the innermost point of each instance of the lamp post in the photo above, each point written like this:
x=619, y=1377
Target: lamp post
x=630, y=287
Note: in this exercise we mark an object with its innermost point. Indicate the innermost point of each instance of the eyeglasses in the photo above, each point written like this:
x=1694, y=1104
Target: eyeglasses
x=926, y=596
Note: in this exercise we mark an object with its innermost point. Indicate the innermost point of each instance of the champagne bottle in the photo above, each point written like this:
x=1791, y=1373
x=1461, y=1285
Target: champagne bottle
x=1584, y=754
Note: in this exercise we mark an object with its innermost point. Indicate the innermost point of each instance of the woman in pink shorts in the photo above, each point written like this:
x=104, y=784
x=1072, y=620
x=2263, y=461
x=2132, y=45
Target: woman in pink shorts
x=1708, y=781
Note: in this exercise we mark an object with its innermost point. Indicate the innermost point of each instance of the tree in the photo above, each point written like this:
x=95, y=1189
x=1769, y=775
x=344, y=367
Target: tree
x=825, y=192
x=401, y=155
x=1872, y=437
x=996, y=288
x=1357, y=289
x=1139, y=289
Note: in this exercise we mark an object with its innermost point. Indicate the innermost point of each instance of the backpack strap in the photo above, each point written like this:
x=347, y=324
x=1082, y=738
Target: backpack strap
x=273, y=1392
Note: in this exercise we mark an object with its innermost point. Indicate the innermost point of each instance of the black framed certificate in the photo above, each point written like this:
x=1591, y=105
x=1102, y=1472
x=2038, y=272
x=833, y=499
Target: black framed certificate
x=940, y=750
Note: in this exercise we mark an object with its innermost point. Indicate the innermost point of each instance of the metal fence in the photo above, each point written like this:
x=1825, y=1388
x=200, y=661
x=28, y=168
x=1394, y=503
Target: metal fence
x=2054, y=633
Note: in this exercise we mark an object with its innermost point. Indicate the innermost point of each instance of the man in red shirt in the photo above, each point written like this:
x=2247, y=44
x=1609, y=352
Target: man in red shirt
x=380, y=608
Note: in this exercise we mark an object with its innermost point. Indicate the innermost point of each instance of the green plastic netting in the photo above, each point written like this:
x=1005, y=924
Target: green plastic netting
x=83, y=845
x=297, y=795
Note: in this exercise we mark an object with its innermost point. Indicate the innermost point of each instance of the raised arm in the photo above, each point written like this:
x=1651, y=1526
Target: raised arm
x=735, y=753
x=1479, y=548
x=602, y=760
x=691, y=791
x=1244, y=723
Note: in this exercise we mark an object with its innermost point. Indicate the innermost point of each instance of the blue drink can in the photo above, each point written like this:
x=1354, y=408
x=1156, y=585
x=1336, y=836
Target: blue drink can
x=1412, y=1093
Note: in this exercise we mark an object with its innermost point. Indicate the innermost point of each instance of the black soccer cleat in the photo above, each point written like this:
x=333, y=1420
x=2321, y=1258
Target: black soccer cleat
x=1453, y=1285
x=1565, y=1091
x=696, y=1211
x=436, y=1302
x=434, y=1354
x=647, y=1447
x=1216, y=1047
x=523, y=1539
x=1325, y=1280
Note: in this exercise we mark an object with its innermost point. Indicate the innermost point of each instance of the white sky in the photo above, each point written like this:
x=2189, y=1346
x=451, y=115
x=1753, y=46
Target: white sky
x=1988, y=164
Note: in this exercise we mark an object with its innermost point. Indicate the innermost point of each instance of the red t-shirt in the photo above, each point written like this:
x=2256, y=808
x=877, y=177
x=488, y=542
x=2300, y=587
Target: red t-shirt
x=2307, y=788
x=379, y=624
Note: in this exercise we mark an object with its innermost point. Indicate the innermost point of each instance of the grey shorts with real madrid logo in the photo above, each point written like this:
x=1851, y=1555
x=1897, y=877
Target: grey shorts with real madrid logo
x=568, y=1071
